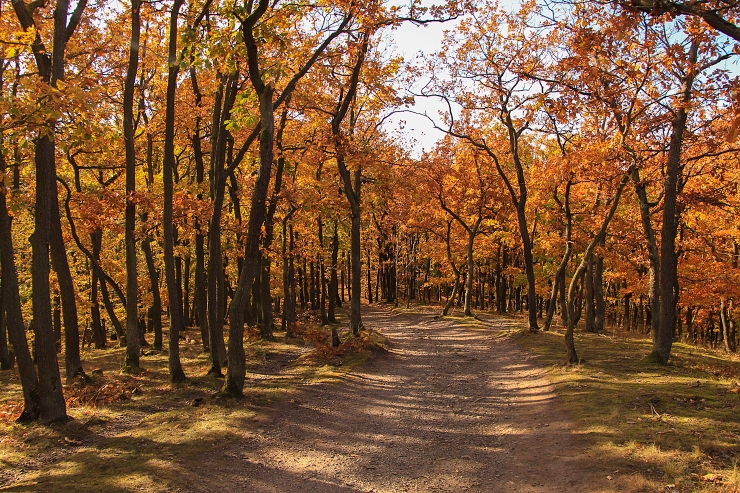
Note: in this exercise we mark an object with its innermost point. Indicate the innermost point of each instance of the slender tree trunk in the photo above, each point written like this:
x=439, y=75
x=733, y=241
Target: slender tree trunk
x=96, y=238
x=581, y=271
x=72, y=362
x=471, y=266
x=6, y=361
x=133, y=343
x=599, y=302
x=588, y=282
x=663, y=338
x=175, y=303
x=558, y=284
x=215, y=288
x=200, y=295
x=728, y=327
x=334, y=282
x=14, y=319
x=110, y=310
x=156, y=298
x=288, y=276
x=653, y=252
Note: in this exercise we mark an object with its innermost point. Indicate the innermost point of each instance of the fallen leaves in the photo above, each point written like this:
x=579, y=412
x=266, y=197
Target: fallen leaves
x=82, y=392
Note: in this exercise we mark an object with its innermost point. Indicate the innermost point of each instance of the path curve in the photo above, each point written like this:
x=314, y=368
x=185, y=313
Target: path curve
x=448, y=409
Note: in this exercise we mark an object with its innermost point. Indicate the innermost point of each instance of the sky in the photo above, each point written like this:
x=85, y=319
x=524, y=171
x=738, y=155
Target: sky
x=414, y=41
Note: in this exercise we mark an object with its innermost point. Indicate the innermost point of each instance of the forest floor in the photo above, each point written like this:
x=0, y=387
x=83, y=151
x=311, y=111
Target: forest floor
x=451, y=404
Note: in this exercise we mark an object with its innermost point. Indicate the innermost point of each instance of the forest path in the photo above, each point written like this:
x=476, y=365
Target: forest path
x=449, y=408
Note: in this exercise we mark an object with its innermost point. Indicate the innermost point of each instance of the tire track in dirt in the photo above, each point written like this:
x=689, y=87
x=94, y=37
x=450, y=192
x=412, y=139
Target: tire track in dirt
x=447, y=409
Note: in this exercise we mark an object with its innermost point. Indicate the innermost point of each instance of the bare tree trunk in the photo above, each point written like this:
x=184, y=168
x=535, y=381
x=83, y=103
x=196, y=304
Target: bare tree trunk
x=156, y=298
x=599, y=302
x=133, y=343
x=12, y=307
x=728, y=327
x=175, y=303
x=663, y=338
x=581, y=271
x=334, y=281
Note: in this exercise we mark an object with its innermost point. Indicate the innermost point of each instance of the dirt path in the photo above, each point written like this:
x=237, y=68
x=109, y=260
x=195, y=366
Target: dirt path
x=448, y=409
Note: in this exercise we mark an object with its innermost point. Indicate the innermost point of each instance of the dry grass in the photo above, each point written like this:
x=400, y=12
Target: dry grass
x=674, y=428
x=130, y=432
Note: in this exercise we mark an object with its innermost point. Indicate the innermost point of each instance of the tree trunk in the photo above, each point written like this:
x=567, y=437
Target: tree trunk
x=96, y=238
x=472, y=232
x=288, y=277
x=598, y=287
x=173, y=292
x=653, y=252
x=588, y=281
x=663, y=339
x=333, y=282
x=6, y=362
x=72, y=362
x=156, y=313
x=369, y=281
x=14, y=319
x=234, y=383
x=216, y=295
x=51, y=400
x=131, y=362
x=581, y=271
x=728, y=327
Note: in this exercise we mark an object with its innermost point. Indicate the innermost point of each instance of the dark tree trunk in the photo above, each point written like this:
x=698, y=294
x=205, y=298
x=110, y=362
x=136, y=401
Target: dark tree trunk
x=110, y=310
x=653, y=252
x=302, y=285
x=312, y=286
x=581, y=272
x=558, y=284
x=156, y=312
x=288, y=277
x=588, y=282
x=131, y=362
x=96, y=238
x=14, y=319
x=200, y=301
x=234, y=383
x=369, y=281
x=51, y=400
x=333, y=282
x=56, y=315
x=663, y=338
x=186, y=290
x=216, y=295
x=72, y=362
x=599, y=302
x=6, y=361
x=173, y=291
x=728, y=327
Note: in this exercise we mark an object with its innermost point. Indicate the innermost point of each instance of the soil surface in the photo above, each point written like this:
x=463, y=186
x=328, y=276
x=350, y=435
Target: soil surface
x=448, y=408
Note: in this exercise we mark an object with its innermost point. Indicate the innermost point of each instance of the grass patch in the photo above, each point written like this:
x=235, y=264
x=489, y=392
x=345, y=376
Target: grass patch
x=674, y=428
x=139, y=431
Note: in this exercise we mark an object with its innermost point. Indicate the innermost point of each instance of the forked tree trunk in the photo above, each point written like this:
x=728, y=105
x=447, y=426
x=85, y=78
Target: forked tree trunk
x=578, y=275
